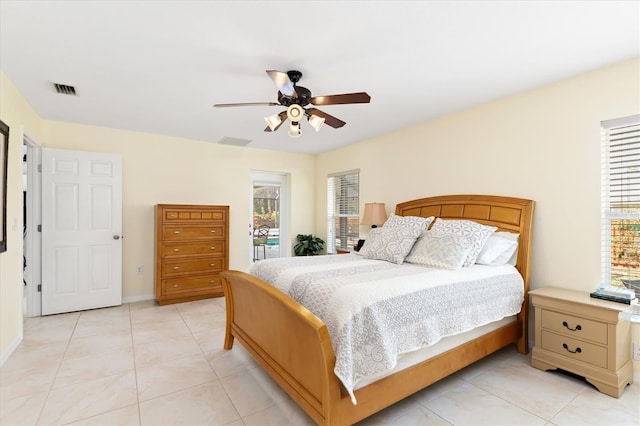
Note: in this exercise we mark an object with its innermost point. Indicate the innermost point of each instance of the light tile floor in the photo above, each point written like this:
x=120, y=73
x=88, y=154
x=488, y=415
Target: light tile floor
x=143, y=364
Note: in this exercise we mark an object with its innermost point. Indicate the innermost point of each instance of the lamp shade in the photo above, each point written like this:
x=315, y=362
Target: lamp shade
x=294, y=130
x=374, y=214
x=316, y=122
x=273, y=121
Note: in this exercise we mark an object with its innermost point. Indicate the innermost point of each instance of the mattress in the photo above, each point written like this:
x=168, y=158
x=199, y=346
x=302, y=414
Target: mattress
x=376, y=311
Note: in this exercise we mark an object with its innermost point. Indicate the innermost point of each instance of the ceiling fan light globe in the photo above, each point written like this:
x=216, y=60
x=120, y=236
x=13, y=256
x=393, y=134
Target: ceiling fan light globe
x=294, y=130
x=273, y=121
x=295, y=112
x=316, y=122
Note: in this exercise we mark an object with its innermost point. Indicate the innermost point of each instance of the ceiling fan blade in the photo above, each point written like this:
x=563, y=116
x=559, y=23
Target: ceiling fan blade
x=281, y=79
x=347, y=98
x=329, y=120
x=283, y=117
x=246, y=104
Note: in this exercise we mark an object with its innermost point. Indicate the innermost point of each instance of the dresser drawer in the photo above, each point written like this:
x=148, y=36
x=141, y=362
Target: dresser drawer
x=575, y=349
x=195, y=215
x=192, y=232
x=177, y=250
x=572, y=326
x=179, y=267
x=178, y=285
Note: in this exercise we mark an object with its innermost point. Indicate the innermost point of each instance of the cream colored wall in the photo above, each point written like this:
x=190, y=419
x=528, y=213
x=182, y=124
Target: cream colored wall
x=161, y=169
x=15, y=112
x=156, y=169
x=543, y=144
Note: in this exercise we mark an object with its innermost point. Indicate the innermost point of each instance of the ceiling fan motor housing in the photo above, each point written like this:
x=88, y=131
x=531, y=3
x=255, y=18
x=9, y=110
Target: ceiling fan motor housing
x=303, y=98
x=294, y=76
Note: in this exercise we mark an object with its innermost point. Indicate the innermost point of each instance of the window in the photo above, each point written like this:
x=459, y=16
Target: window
x=343, y=216
x=621, y=199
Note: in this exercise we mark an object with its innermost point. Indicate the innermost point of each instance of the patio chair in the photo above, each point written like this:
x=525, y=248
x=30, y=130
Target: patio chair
x=260, y=235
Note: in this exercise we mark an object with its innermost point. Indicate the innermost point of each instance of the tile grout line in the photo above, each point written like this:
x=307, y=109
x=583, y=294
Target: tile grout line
x=217, y=379
x=135, y=367
x=55, y=376
x=134, y=371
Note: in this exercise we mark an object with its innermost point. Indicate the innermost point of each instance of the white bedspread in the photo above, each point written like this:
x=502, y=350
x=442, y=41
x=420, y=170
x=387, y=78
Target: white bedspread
x=375, y=310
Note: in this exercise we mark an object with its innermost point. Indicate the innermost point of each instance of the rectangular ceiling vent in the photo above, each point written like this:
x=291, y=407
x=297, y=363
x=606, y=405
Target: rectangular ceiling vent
x=65, y=89
x=234, y=141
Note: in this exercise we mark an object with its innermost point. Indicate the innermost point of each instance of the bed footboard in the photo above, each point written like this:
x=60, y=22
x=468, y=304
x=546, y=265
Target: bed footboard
x=289, y=342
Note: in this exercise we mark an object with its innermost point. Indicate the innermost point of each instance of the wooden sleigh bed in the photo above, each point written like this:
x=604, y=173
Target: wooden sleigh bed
x=294, y=348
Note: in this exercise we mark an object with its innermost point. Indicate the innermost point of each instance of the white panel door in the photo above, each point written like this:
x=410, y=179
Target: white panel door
x=81, y=230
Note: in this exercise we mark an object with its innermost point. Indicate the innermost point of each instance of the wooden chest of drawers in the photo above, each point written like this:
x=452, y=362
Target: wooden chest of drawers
x=582, y=335
x=191, y=243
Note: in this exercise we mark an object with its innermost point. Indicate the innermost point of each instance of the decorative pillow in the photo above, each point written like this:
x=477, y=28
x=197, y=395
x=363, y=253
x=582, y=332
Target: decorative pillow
x=440, y=250
x=498, y=249
x=478, y=233
x=389, y=243
x=513, y=261
x=408, y=221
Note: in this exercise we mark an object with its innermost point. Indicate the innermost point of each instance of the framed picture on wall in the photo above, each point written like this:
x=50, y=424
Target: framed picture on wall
x=4, y=153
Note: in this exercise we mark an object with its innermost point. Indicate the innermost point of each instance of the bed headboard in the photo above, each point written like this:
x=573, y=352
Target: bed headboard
x=507, y=213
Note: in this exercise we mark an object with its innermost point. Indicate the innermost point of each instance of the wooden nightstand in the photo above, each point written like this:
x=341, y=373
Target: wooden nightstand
x=582, y=335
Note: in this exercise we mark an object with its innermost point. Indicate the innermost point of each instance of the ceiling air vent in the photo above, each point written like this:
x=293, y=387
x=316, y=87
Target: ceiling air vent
x=234, y=141
x=65, y=89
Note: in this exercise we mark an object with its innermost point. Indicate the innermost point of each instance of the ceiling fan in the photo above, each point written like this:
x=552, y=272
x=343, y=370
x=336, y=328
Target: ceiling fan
x=296, y=98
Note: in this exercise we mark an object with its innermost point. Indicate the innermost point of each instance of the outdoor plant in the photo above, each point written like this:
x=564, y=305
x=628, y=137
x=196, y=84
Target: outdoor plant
x=308, y=245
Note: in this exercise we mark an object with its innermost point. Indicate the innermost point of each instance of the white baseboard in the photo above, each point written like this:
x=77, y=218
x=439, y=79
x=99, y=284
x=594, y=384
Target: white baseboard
x=12, y=347
x=134, y=299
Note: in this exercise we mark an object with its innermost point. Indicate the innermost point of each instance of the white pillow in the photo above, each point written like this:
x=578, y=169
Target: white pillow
x=411, y=221
x=499, y=248
x=440, y=250
x=478, y=233
x=391, y=243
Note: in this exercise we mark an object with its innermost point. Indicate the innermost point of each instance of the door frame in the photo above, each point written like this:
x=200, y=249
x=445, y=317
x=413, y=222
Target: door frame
x=258, y=177
x=32, y=248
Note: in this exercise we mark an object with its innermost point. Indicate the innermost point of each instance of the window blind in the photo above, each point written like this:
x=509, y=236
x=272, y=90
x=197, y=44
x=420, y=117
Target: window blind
x=620, y=200
x=343, y=216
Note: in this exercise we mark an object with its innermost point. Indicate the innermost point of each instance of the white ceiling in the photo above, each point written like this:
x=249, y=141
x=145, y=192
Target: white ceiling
x=159, y=66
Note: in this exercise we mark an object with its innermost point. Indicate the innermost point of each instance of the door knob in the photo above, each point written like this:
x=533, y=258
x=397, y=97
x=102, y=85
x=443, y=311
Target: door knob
x=116, y=237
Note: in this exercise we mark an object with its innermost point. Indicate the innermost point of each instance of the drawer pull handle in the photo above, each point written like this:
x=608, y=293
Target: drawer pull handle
x=213, y=231
x=176, y=285
x=577, y=351
x=213, y=247
x=213, y=264
x=176, y=232
x=176, y=250
x=212, y=281
x=175, y=268
x=578, y=327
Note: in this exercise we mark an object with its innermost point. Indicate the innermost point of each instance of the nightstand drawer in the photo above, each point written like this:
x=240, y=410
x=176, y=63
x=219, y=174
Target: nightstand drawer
x=575, y=326
x=575, y=349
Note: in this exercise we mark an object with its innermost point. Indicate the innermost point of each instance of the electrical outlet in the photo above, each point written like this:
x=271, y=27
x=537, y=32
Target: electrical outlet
x=139, y=269
x=636, y=351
